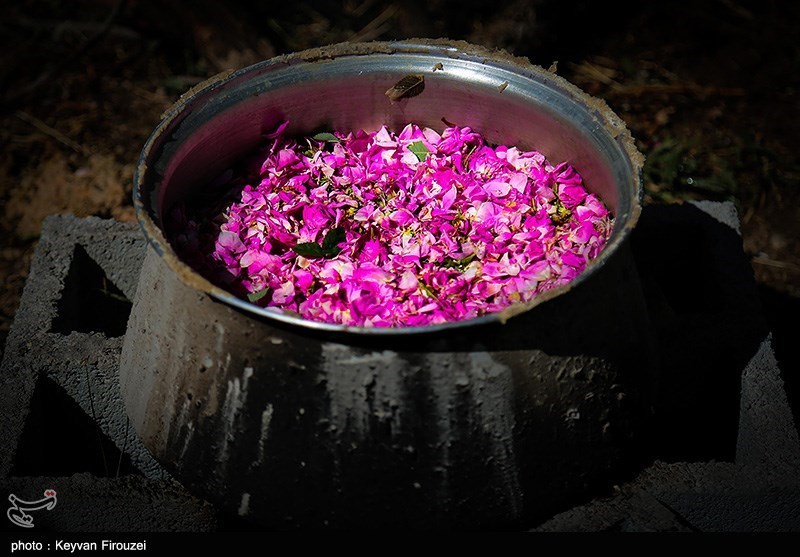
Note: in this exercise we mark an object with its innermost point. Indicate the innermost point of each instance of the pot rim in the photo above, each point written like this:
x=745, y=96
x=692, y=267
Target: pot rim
x=438, y=50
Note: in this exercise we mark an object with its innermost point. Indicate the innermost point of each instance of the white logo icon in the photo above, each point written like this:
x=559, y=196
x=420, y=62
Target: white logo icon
x=17, y=511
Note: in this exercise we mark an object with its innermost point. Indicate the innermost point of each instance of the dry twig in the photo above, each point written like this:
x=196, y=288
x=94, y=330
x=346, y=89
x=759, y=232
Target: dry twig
x=767, y=262
x=52, y=132
x=377, y=26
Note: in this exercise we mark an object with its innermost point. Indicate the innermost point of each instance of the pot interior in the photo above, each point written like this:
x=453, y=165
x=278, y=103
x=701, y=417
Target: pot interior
x=343, y=88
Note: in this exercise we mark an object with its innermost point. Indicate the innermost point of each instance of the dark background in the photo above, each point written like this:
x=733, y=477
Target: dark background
x=709, y=89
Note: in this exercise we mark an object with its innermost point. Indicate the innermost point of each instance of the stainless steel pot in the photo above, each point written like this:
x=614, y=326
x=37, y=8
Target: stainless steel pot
x=491, y=421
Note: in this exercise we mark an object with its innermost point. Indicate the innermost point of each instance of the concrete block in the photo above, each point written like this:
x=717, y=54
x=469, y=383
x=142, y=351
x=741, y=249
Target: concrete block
x=768, y=442
x=61, y=331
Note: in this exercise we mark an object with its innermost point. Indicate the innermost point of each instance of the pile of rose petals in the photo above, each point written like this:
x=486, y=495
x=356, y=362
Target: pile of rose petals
x=393, y=230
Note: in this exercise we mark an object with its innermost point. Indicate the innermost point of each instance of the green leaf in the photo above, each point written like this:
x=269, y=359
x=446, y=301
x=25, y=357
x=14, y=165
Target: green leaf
x=329, y=248
x=460, y=264
x=334, y=237
x=427, y=290
x=326, y=137
x=255, y=296
x=419, y=149
x=465, y=261
x=309, y=249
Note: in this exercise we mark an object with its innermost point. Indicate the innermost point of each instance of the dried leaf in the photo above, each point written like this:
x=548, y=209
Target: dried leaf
x=409, y=86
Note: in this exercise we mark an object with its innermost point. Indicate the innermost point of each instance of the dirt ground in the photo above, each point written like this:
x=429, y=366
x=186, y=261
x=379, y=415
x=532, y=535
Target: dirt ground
x=710, y=91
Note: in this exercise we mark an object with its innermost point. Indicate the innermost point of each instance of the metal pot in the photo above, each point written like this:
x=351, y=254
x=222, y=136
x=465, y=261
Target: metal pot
x=487, y=422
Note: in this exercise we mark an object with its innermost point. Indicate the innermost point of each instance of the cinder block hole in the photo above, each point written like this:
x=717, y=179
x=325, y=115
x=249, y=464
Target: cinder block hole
x=59, y=439
x=90, y=303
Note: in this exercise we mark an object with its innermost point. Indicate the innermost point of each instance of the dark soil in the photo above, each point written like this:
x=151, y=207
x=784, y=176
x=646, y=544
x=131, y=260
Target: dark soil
x=709, y=89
